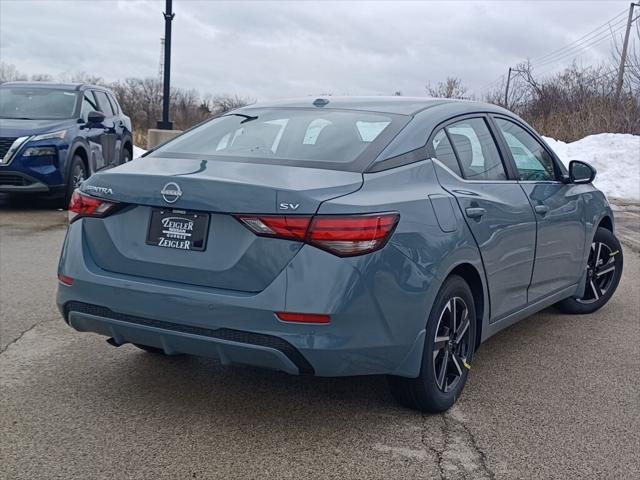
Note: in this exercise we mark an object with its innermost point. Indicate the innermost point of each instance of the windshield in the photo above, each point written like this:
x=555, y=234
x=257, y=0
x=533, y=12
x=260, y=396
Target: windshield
x=36, y=103
x=314, y=137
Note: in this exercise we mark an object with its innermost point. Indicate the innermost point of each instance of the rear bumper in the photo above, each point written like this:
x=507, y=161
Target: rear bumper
x=364, y=336
x=230, y=346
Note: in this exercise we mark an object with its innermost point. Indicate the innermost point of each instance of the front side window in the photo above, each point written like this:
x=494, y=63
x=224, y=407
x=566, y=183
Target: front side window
x=476, y=150
x=88, y=105
x=37, y=103
x=293, y=136
x=103, y=102
x=532, y=161
x=114, y=104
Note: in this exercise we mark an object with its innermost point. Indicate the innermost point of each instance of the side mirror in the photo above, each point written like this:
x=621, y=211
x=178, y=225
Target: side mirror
x=581, y=172
x=95, y=118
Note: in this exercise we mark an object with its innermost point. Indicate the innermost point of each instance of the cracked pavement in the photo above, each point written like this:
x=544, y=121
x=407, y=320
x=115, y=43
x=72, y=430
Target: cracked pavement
x=554, y=396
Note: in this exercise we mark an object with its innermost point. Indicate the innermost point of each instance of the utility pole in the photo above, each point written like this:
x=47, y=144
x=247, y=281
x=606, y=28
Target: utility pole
x=623, y=55
x=506, y=90
x=165, y=124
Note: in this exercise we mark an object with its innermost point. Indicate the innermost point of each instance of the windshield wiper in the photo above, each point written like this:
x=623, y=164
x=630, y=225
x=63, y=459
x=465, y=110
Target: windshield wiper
x=18, y=118
x=247, y=118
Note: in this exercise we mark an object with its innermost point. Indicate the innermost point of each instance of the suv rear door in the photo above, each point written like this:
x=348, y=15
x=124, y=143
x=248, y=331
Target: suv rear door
x=494, y=206
x=111, y=141
x=93, y=133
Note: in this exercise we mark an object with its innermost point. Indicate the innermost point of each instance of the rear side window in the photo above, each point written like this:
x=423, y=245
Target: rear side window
x=103, y=101
x=324, y=138
x=444, y=151
x=532, y=161
x=476, y=150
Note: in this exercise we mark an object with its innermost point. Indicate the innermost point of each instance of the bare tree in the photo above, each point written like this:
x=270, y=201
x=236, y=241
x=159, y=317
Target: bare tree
x=570, y=104
x=9, y=73
x=219, y=104
x=452, y=87
x=41, y=77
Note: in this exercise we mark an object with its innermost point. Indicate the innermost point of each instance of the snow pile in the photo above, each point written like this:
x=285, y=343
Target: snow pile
x=615, y=156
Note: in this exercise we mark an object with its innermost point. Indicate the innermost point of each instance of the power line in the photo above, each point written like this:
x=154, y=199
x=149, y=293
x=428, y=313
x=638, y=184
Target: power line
x=577, y=47
x=577, y=51
x=569, y=45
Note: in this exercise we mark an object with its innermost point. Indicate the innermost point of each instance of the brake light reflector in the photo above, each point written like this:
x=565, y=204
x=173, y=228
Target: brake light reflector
x=342, y=235
x=84, y=206
x=303, y=317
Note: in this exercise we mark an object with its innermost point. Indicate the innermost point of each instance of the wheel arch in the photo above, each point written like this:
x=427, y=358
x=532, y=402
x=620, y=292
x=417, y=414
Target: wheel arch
x=606, y=222
x=81, y=150
x=128, y=145
x=473, y=278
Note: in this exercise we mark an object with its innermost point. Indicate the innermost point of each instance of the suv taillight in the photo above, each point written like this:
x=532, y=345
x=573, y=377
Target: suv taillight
x=84, y=206
x=342, y=235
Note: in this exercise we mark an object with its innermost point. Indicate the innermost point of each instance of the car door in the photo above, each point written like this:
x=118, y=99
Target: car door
x=494, y=206
x=92, y=133
x=110, y=142
x=119, y=127
x=558, y=208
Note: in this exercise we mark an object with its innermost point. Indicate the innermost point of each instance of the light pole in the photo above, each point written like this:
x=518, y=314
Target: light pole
x=166, y=124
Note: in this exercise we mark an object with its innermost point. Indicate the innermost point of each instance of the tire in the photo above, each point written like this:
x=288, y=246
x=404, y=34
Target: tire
x=436, y=390
x=126, y=156
x=604, y=270
x=77, y=174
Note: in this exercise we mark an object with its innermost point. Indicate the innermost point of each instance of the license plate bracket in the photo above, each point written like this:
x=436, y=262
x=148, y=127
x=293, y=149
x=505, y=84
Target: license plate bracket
x=178, y=229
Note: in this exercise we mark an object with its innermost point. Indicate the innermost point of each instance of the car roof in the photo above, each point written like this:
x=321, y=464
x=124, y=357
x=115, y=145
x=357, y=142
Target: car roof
x=54, y=85
x=392, y=104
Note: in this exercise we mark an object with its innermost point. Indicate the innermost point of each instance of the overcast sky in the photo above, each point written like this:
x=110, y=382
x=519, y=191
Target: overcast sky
x=268, y=50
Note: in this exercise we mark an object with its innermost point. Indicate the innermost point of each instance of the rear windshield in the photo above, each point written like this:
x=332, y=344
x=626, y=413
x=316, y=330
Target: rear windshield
x=336, y=139
x=37, y=103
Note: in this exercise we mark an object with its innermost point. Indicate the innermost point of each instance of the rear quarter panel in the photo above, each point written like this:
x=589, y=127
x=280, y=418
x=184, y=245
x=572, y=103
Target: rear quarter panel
x=405, y=276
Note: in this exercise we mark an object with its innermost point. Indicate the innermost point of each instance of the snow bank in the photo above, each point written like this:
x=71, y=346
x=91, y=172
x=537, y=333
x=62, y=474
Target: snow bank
x=615, y=156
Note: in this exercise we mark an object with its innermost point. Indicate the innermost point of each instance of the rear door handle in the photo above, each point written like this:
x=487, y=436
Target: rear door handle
x=541, y=209
x=475, y=212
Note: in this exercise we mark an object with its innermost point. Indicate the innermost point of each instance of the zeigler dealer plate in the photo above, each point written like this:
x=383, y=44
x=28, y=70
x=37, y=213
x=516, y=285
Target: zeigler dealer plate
x=178, y=229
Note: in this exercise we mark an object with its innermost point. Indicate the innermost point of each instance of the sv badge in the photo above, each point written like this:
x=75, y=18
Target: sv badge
x=288, y=206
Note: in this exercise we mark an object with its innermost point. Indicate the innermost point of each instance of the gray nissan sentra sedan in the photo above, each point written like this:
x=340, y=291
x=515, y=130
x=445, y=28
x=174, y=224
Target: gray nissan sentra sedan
x=339, y=236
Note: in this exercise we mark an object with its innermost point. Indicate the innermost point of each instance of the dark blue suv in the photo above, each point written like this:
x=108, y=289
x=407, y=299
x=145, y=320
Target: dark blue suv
x=54, y=136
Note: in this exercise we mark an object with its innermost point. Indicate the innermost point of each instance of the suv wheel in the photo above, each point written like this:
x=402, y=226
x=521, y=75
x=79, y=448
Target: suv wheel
x=604, y=270
x=448, y=351
x=126, y=156
x=77, y=175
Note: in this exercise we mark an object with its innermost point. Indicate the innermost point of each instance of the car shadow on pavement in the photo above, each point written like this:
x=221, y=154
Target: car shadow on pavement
x=195, y=384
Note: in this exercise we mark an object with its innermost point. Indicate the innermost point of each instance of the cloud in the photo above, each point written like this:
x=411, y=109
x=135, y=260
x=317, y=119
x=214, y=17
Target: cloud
x=282, y=49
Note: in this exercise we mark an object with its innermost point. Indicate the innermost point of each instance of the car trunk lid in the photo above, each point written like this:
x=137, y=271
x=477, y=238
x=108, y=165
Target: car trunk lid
x=233, y=258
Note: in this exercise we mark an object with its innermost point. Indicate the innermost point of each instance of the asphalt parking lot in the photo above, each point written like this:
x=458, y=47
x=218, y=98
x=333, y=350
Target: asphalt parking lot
x=554, y=396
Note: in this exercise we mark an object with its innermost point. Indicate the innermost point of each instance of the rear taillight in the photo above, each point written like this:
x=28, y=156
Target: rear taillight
x=342, y=235
x=84, y=206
